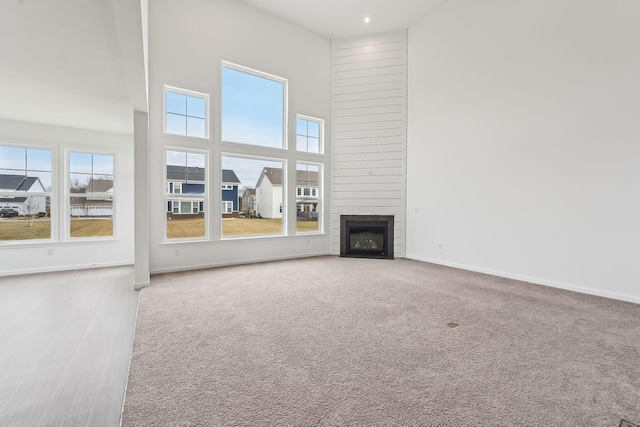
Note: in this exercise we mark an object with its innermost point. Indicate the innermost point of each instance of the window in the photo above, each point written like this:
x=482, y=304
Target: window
x=227, y=207
x=308, y=134
x=175, y=188
x=25, y=193
x=308, y=179
x=253, y=107
x=91, y=195
x=186, y=175
x=186, y=113
x=267, y=177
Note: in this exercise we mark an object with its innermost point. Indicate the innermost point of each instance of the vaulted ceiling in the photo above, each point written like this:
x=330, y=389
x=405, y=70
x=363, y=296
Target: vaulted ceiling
x=73, y=63
x=80, y=63
x=345, y=18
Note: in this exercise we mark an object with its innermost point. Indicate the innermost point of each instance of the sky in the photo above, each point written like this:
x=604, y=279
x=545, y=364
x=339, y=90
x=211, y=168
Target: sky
x=182, y=158
x=185, y=115
x=248, y=170
x=252, y=109
x=26, y=162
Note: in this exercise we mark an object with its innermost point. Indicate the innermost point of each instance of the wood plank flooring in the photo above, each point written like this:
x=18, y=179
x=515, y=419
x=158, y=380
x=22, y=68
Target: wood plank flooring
x=65, y=340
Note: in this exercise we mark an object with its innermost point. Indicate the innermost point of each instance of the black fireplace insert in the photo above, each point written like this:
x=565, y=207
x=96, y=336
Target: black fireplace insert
x=366, y=236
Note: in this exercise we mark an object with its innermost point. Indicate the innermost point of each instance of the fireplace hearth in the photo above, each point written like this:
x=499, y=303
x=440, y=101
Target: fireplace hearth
x=366, y=236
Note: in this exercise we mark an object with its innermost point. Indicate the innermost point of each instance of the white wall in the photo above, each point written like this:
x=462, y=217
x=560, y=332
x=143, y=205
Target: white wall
x=369, y=112
x=524, y=144
x=187, y=42
x=27, y=257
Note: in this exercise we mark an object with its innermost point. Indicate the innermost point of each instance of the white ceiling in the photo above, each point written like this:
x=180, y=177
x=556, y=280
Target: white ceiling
x=81, y=63
x=73, y=63
x=345, y=18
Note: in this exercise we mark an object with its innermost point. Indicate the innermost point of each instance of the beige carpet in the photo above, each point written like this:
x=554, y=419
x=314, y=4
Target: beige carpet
x=333, y=341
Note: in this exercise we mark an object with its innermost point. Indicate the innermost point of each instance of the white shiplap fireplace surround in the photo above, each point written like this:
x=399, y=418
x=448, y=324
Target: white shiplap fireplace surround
x=369, y=126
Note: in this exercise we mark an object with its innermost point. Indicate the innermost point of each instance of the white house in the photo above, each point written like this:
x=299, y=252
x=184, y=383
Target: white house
x=94, y=206
x=307, y=194
x=30, y=205
x=269, y=193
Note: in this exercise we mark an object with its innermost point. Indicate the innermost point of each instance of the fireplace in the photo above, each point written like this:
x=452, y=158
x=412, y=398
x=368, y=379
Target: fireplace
x=366, y=236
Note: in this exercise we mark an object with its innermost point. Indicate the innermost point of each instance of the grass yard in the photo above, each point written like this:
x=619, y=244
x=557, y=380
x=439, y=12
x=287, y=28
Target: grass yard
x=91, y=227
x=306, y=226
x=18, y=229
x=181, y=228
x=250, y=226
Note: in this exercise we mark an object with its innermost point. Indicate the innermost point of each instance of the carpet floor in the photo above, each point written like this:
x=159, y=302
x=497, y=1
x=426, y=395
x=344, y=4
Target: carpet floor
x=332, y=341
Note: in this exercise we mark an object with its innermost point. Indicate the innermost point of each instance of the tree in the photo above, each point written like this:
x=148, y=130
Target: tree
x=30, y=209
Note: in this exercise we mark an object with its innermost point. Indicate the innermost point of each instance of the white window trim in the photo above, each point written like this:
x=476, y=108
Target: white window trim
x=225, y=204
x=67, y=195
x=193, y=94
x=53, y=194
x=320, y=133
x=186, y=197
x=320, y=203
x=285, y=103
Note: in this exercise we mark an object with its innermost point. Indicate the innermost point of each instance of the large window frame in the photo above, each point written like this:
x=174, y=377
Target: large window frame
x=51, y=195
x=226, y=144
x=307, y=194
x=285, y=101
x=59, y=197
x=89, y=194
x=197, y=202
x=300, y=133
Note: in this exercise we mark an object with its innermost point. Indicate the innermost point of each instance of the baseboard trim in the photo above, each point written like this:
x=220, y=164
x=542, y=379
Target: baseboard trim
x=534, y=280
x=66, y=268
x=240, y=262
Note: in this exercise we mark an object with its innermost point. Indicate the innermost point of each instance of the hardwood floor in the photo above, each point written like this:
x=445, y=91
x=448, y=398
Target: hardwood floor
x=65, y=340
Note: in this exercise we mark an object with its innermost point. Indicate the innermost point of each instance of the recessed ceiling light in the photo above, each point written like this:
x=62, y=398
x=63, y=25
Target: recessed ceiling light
x=367, y=20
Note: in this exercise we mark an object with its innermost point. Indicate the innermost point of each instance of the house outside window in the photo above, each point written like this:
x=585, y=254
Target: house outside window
x=308, y=179
x=230, y=193
x=185, y=174
x=262, y=184
x=91, y=194
x=25, y=193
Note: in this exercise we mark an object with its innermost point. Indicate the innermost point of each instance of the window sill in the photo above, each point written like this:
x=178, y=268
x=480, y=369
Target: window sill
x=53, y=243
